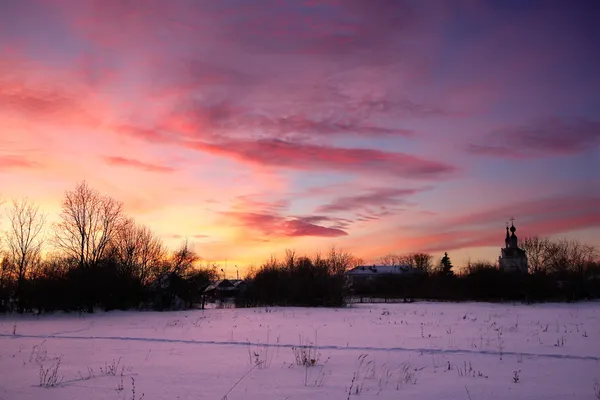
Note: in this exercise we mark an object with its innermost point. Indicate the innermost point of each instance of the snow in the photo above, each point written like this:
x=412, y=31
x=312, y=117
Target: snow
x=380, y=351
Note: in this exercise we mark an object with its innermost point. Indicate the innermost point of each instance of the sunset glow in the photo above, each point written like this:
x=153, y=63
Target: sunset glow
x=250, y=127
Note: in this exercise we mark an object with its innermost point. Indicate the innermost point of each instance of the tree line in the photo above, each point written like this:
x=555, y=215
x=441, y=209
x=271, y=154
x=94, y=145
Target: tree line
x=559, y=270
x=96, y=256
x=101, y=258
x=300, y=281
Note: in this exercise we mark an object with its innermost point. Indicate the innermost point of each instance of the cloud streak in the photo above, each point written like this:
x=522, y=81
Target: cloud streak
x=270, y=220
x=14, y=162
x=379, y=198
x=131, y=163
x=272, y=225
x=547, y=137
x=546, y=216
x=304, y=156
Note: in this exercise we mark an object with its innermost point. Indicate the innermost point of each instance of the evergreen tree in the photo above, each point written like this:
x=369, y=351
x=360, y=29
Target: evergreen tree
x=446, y=265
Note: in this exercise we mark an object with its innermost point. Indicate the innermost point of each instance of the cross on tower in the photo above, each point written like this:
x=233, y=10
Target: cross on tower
x=512, y=220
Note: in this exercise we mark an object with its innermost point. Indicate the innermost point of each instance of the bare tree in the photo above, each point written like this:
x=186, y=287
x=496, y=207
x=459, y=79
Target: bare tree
x=291, y=260
x=271, y=263
x=539, y=253
x=183, y=260
x=24, y=240
x=341, y=261
x=558, y=256
x=573, y=256
x=422, y=261
x=139, y=251
x=5, y=269
x=479, y=266
x=89, y=221
x=391, y=260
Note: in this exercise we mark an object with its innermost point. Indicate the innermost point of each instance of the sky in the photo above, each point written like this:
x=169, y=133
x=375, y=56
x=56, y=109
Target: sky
x=251, y=127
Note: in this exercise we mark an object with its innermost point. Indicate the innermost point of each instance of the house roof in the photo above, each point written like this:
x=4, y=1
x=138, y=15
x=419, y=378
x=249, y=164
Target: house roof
x=379, y=270
x=224, y=285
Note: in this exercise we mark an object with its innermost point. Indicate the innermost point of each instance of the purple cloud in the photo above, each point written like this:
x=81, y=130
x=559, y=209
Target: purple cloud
x=550, y=136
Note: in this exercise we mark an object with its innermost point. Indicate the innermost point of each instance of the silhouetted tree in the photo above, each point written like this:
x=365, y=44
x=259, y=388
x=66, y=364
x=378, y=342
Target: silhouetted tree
x=182, y=260
x=576, y=255
x=421, y=261
x=539, y=253
x=446, y=265
x=138, y=251
x=5, y=276
x=558, y=256
x=89, y=221
x=182, y=280
x=391, y=260
x=24, y=241
x=6, y=282
x=480, y=265
x=340, y=261
x=300, y=281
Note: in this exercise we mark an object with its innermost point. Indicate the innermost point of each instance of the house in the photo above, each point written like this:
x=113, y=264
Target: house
x=381, y=281
x=224, y=288
x=369, y=272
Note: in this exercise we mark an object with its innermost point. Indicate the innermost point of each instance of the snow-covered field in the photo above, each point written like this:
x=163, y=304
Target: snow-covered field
x=383, y=351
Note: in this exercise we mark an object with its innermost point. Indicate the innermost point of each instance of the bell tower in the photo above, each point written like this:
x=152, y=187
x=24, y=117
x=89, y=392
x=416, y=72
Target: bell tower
x=514, y=241
x=512, y=258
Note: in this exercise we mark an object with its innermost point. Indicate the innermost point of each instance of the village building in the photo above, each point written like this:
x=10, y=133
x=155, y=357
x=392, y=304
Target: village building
x=224, y=288
x=512, y=258
x=369, y=272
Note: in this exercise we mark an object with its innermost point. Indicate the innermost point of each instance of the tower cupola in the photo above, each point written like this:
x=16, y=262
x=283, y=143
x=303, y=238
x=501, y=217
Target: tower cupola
x=514, y=241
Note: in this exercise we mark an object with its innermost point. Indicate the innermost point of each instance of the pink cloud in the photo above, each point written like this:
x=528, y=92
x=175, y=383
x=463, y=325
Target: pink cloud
x=148, y=135
x=33, y=91
x=371, y=38
x=189, y=75
x=130, y=21
x=551, y=136
x=462, y=239
x=495, y=151
x=42, y=102
x=268, y=217
x=313, y=157
x=262, y=203
x=14, y=162
x=333, y=222
x=128, y=162
x=182, y=237
x=544, y=217
x=327, y=27
x=329, y=116
x=532, y=210
x=301, y=124
x=377, y=198
x=94, y=71
x=273, y=225
x=37, y=102
x=301, y=228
